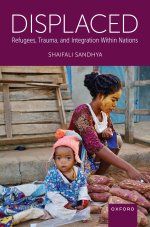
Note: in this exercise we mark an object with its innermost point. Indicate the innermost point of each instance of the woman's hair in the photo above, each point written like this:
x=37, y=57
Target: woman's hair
x=105, y=84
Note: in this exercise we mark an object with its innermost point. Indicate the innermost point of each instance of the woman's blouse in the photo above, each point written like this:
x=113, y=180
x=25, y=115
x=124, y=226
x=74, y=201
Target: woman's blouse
x=82, y=122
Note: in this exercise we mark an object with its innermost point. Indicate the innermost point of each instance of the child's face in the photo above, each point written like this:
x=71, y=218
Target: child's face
x=64, y=158
x=108, y=103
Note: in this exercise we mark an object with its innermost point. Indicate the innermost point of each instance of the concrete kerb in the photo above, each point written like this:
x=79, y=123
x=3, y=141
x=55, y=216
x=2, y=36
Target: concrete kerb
x=10, y=171
x=17, y=167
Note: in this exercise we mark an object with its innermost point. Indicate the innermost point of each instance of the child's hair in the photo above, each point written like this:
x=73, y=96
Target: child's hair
x=104, y=84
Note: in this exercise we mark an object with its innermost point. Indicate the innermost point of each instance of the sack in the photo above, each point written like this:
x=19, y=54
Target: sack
x=112, y=142
x=88, y=164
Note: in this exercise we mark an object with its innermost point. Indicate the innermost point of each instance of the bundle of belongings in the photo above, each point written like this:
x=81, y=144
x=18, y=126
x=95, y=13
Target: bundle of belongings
x=21, y=203
x=25, y=202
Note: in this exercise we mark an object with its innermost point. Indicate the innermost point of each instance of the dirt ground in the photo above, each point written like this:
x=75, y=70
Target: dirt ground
x=118, y=175
x=93, y=222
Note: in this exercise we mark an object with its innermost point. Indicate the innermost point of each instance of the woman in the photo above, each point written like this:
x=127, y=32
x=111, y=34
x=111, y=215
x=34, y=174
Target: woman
x=94, y=125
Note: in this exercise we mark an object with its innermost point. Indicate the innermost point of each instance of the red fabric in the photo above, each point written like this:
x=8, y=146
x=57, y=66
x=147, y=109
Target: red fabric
x=85, y=203
x=68, y=206
x=82, y=123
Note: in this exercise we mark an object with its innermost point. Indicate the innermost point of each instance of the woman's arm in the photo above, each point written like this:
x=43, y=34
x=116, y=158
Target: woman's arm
x=82, y=123
x=113, y=159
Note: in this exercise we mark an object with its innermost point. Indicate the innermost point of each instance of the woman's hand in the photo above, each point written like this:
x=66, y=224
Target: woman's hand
x=108, y=156
x=107, y=133
x=136, y=175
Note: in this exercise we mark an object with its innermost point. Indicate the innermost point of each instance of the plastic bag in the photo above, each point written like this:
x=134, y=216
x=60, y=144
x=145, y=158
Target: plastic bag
x=79, y=216
x=112, y=142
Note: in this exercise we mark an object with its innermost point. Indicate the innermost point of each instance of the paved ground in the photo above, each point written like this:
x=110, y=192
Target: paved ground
x=141, y=130
x=17, y=167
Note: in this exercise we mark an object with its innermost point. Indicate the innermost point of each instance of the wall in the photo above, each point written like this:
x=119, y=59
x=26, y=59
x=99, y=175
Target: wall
x=144, y=92
x=80, y=93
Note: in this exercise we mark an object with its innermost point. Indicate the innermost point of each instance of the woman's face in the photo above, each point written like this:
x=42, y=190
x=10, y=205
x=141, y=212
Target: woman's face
x=109, y=102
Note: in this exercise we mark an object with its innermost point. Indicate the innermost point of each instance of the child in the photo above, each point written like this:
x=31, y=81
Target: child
x=66, y=190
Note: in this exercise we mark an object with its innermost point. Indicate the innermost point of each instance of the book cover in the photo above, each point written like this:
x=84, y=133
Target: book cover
x=47, y=47
x=97, y=32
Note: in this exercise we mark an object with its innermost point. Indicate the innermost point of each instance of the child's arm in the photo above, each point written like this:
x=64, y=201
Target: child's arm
x=83, y=196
